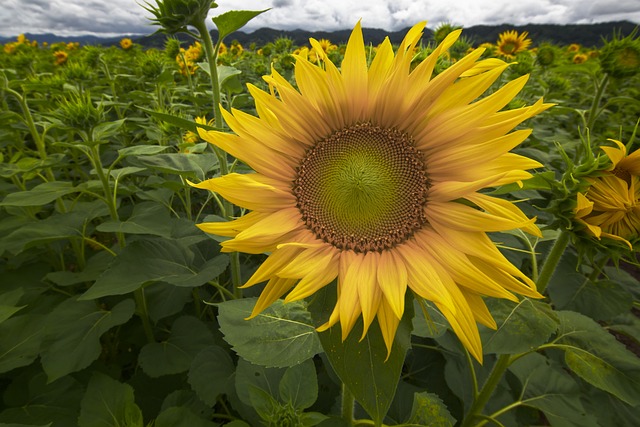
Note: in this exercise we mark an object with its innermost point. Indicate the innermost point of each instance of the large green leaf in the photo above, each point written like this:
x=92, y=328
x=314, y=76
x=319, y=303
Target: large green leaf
x=108, y=402
x=600, y=300
x=20, y=338
x=185, y=164
x=154, y=260
x=598, y=358
x=210, y=373
x=30, y=399
x=40, y=194
x=364, y=366
x=55, y=227
x=146, y=218
x=189, y=336
x=282, y=335
x=428, y=321
x=521, y=326
x=299, y=385
x=548, y=387
x=233, y=20
x=78, y=325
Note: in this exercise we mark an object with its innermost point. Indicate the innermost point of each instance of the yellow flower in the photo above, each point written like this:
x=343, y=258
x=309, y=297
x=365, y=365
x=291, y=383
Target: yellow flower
x=579, y=58
x=326, y=45
x=573, y=47
x=61, y=57
x=511, y=43
x=382, y=193
x=126, y=43
x=10, y=48
x=611, y=205
x=22, y=39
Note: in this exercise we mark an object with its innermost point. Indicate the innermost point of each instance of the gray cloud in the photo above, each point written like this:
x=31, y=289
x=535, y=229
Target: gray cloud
x=116, y=17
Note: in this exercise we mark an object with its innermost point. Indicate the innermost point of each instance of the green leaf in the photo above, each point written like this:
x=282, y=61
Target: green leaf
x=539, y=181
x=363, y=365
x=210, y=372
x=429, y=410
x=24, y=425
x=180, y=122
x=158, y=260
x=179, y=416
x=282, y=335
x=20, y=339
x=188, y=337
x=522, y=326
x=428, y=322
x=8, y=301
x=233, y=20
x=601, y=300
x=40, y=232
x=129, y=170
x=184, y=164
x=598, y=358
x=146, y=218
x=250, y=376
x=141, y=150
x=549, y=388
x=78, y=325
x=39, y=195
x=299, y=385
x=29, y=399
x=105, y=130
x=108, y=402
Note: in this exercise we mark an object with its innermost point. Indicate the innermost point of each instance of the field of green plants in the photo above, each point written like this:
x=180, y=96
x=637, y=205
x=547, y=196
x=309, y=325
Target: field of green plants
x=116, y=310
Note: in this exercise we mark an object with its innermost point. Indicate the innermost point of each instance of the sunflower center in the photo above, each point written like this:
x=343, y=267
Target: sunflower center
x=363, y=188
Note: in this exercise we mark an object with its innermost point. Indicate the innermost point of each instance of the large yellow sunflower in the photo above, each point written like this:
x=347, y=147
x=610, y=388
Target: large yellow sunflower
x=611, y=205
x=372, y=176
x=510, y=43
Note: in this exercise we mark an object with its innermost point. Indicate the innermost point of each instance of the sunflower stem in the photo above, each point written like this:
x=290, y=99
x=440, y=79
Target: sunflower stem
x=489, y=386
x=553, y=258
x=348, y=404
x=593, y=112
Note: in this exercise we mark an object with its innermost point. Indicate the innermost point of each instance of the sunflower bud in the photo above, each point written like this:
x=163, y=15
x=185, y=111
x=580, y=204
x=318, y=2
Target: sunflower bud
x=620, y=57
x=546, y=55
x=175, y=16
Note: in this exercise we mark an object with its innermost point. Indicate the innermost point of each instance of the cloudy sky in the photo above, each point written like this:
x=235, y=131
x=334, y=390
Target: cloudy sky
x=116, y=17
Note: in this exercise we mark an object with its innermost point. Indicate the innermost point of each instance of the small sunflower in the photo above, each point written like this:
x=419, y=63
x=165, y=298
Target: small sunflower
x=510, y=43
x=580, y=58
x=382, y=193
x=126, y=43
x=610, y=207
x=61, y=57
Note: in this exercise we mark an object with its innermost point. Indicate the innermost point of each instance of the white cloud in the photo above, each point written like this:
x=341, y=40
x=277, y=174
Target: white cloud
x=116, y=17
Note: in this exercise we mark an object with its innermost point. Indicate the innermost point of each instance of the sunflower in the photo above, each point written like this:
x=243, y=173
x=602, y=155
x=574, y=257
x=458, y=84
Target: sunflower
x=126, y=43
x=611, y=205
x=511, y=43
x=382, y=192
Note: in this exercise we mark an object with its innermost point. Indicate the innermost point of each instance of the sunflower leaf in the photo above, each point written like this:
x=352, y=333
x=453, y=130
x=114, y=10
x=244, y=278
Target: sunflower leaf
x=598, y=358
x=233, y=20
x=364, y=367
x=108, y=402
x=282, y=335
x=521, y=327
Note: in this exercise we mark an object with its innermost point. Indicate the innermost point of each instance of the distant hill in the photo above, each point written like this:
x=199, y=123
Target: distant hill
x=584, y=34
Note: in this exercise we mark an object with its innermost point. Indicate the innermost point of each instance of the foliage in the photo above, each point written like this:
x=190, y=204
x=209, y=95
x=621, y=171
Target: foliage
x=116, y=310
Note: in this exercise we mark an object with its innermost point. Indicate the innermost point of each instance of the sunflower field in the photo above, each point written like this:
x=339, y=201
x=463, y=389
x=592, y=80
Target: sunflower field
x=435, y=233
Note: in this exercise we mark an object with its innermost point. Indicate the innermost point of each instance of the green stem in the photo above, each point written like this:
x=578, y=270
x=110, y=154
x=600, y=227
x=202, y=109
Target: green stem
x=348, y=404
x=488, y=388
x=593, y=112
x=143, y=313
x=553, y=258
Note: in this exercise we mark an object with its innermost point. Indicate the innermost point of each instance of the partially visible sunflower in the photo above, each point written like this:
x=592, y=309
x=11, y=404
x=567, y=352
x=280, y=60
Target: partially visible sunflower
x=579, y=58
x=610, y=207
x=383, y=192
x=61, y=57
x=510, y=43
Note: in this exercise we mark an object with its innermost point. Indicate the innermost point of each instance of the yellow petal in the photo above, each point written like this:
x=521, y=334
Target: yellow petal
x=393, y=279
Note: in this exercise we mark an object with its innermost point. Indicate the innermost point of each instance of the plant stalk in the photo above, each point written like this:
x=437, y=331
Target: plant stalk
x=553, y=258
x=503, y=362
x=348, y=405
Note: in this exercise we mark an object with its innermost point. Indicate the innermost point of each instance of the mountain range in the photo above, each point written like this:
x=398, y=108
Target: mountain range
x=583, y=34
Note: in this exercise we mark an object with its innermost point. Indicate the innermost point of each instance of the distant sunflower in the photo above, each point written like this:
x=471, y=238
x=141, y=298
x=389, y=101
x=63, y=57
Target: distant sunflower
x=610, y=206
x=510, y=43
x=383, y=191
x=126, y=43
